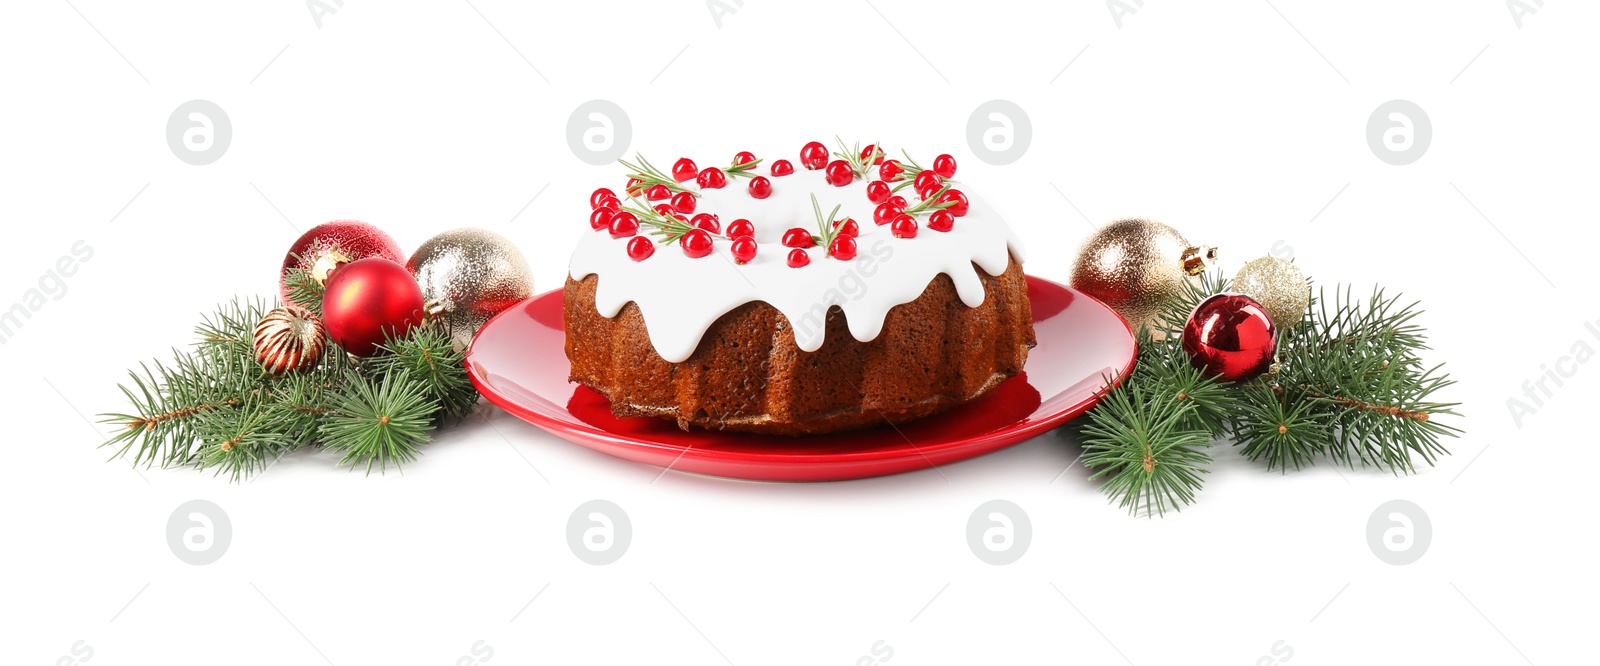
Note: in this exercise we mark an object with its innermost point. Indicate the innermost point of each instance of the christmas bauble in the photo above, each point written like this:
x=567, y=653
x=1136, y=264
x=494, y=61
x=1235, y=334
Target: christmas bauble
x=369, y=301
x=1278, y=285
x=468, y=276
x=1136, y=265
x=288, y=339
x=1231, y=336
x=326, y=246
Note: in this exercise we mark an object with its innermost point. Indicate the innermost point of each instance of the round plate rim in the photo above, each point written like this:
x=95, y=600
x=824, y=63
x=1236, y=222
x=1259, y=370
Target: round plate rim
x=598, y=439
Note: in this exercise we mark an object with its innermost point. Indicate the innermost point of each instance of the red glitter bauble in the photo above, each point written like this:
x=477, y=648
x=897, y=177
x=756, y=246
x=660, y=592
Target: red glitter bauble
x=1230, y=336
x=326, y=246
x=369, y=301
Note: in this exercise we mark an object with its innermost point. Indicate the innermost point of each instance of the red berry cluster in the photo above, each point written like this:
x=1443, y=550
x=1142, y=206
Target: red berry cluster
x=696, y=234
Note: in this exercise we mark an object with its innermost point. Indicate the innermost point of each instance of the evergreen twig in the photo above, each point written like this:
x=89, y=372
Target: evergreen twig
x=1349, y=387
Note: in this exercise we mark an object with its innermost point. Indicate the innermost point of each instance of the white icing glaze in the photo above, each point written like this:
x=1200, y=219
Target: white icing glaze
x=681, y=297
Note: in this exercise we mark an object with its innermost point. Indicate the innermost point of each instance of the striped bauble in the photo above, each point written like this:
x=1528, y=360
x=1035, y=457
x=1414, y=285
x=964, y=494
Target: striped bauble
x=289, y=338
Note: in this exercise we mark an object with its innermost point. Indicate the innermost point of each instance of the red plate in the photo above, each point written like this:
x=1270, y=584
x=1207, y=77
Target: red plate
x=518, y=362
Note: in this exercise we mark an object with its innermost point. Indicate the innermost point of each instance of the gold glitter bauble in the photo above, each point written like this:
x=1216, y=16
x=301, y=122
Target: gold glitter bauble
x=1136, y=265
x=1279, y=286
x=469, y=275
x=288, y=339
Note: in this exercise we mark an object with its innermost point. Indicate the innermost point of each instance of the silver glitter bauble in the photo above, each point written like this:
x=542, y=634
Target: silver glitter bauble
x=468, y=276
x=1279, y=286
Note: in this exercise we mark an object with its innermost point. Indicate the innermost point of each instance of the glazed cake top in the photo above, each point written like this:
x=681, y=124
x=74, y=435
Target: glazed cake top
x=684, y=279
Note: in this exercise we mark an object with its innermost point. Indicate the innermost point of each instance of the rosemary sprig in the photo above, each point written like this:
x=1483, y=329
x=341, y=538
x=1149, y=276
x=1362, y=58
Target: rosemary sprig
x=909, y=170
x=649, y=175
x=666, y=227
x=860, y=166
x=825, y=228
x=746, y=170
x=931, y=203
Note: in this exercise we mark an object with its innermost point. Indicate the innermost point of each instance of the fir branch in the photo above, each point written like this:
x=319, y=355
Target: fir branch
x=168, y=402
x=241, y=440
x=231, y=329
x=428, y=357
x=304, y=290
x=377, y=422
x=1283, y=431
x=1137, y=440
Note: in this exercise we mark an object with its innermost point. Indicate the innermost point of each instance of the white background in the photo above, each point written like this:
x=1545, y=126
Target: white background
x=1223, y=120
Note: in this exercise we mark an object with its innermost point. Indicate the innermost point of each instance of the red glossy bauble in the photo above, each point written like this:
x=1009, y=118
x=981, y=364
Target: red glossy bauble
x=369, y=301
x=1230, y=336
x=326, y=246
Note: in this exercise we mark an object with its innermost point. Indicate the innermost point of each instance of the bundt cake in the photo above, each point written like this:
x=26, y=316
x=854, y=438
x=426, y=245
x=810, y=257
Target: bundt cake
x=729, y=299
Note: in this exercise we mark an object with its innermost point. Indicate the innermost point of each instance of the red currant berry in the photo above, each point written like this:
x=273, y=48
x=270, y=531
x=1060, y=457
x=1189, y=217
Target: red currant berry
x=904, y=226
x=890, y=169
x=624, y=225
x=878, y=191
x=658, y=192
x=711, y=178
x=665, y=209
x=760, y=187
x=640, y=248
x=839, y=174
x=634, y=187
x=601, y=218
x=798, y=258
x=741, y=228
x=683, y=202
x=927, y=179
x=782, y=168
x=941, y=220
x=814, y=155
x=696, y=243
x=744, y=249
x=706, y=221
x=744, y=157
x=843, y=248
x=624, y=218
x=683, y=169
x=884, y=213
x=847, y=227
x=798, y=237
x=600, y=194
x=925, y=193
x=610, y=203
x=959, y=209
x=945, y=166
x=872, y=153
x=898, y=202
x=679, y=217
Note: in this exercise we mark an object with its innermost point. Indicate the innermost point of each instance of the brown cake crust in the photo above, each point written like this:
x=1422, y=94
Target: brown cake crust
x=747, y=374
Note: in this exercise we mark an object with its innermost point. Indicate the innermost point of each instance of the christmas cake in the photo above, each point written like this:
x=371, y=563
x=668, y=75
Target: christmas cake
x=833, y=292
